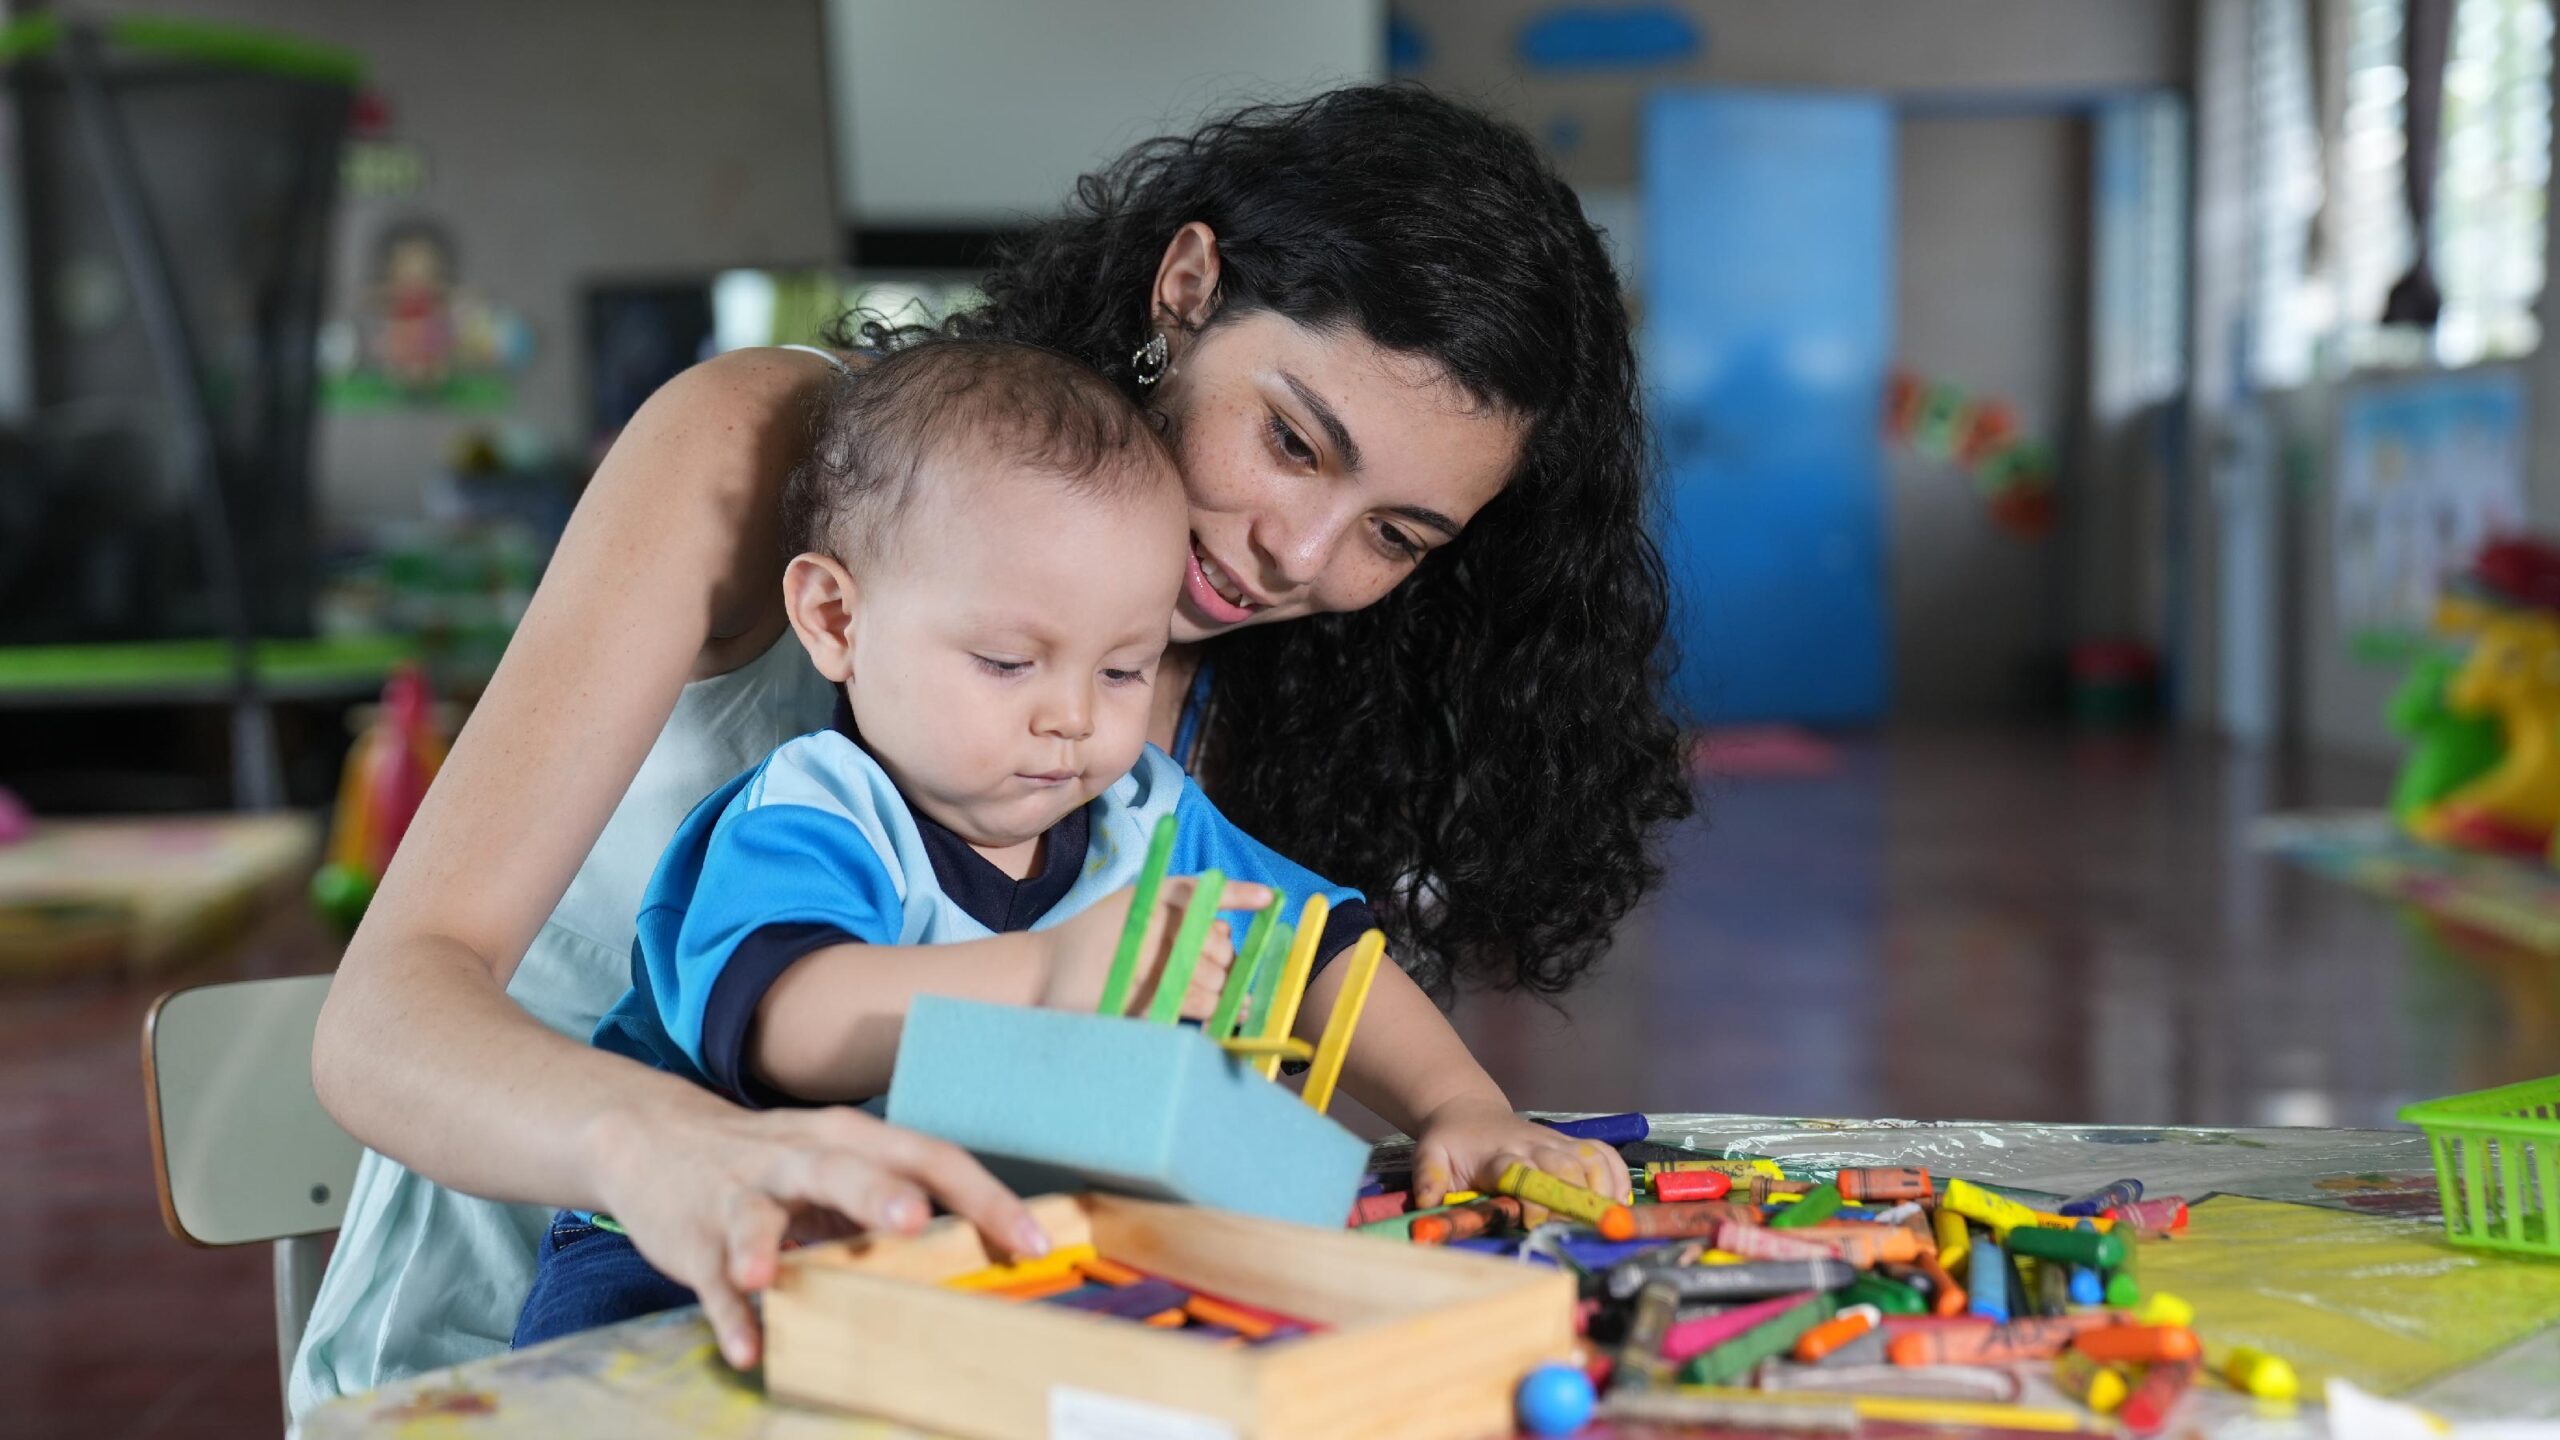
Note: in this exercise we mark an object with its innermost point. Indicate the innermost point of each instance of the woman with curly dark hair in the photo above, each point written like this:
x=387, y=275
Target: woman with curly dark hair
x=1419, y=650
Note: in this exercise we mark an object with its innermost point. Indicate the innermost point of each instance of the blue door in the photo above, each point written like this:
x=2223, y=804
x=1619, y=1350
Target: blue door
x=1768, y=257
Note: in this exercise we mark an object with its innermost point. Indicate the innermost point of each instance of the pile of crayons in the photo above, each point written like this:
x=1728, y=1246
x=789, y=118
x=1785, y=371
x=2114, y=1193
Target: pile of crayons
x=1075, y=1277
x=1735, y=1293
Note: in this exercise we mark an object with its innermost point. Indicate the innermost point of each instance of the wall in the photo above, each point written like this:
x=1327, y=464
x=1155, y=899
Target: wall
x=566, y=141
x=1991, y=296
x=2016, y=48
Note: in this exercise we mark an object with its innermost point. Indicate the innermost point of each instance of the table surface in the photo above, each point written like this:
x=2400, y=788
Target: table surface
x=660, y=1377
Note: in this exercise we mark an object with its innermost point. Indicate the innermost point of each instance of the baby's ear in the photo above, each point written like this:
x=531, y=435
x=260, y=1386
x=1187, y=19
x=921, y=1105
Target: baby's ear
x=820, y=597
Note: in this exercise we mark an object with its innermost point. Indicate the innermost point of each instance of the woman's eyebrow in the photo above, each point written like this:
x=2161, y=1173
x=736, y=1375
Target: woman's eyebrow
x=1432, y=518
x=1331, y=423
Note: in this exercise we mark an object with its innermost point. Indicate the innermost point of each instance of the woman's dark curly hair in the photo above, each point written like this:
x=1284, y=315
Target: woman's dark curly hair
x=1485, y=751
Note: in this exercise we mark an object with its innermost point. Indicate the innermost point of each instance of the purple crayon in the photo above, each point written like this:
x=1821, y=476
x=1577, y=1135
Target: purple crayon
x=2103, y=1199
x=1607, y=1129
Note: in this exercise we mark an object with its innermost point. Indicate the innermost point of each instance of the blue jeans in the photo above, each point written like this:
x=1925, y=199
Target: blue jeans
x=589, y=1276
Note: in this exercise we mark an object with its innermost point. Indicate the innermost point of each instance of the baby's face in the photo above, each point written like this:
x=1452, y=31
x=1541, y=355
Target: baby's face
x=1005, y=647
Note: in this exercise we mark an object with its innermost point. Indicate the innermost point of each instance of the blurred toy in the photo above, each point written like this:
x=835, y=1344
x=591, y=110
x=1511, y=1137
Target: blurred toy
x=2513, y=674
x=378, y=793
x=16, y=821
x=2446, y=750
x=1979, y=436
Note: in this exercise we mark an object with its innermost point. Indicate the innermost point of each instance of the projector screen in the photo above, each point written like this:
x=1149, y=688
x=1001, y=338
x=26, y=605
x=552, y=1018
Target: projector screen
x=976, y=113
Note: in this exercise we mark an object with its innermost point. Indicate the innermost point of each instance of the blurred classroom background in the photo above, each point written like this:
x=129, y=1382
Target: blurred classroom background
x=2084, y=505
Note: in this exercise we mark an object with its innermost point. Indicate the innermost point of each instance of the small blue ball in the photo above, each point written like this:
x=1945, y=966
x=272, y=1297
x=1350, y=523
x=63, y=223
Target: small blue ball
x=1556, y=1400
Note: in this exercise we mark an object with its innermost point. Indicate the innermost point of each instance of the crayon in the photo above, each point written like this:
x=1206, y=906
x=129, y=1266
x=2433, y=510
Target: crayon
x=1722, y=1407
x=1816, y=1207
x=1690, y=1220
x=1370, y=1209
x=1887, y=1296
x=2100, y=1387
x=2164, y=1216
x=2000, y=1213
x=1593, y=1255
x=1059, y=1262
x=1865, y=1246
x=2053, y=1287
x=1752, y=1242
x=1657, y=1308
x=1037, y=1287
x=2138, y=1344
x=1467, y=1221
x=1822, y=1340
x=2147, y=1410
x=2087, y=1287
x=1149, y=1296
x=1765, y=1188
x=1607, y=1129
x=2047, y=1220
x=2102, y=1199
x=2123, y=1291
x=1735, y=1358
x=1949, y=1298
x=1898, y=1182
x=1919, y=1324
x=2075, y=1247
x=1737, y=1169
x=1108, y=1272
x=2038, y=1338
x=2268, y=1377
x=1687, y=1339
x=1537, y=1187
x=1400, y=1226
x=1867, y=1350
x=1988, y=1277
x=1905, y=1213
x=1691, y=1185
x=1751, y=1280
x=2163, y=1308
x=1953, y=1238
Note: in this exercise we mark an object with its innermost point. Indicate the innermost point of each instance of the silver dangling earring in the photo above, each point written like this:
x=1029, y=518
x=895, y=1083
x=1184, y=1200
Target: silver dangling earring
x=1149, y=359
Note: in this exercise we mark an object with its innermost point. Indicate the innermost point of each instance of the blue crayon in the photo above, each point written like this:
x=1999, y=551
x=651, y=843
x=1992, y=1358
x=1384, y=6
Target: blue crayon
x=1607, y=1129
x=2088, y=1287
x=1597, y=1255
x=2102, y=1199
x=1987, y=1281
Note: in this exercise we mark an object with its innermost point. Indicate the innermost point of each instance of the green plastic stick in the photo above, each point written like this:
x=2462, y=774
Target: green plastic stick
x=1175, y=984
x=1266, y=976
x=1250, y=958
x=1142, y=907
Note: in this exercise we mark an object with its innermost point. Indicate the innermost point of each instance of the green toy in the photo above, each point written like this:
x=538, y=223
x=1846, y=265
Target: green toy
x=2446, y=750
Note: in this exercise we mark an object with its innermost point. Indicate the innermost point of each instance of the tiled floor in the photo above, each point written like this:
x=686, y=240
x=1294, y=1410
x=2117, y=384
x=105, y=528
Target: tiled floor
x=2001, y=926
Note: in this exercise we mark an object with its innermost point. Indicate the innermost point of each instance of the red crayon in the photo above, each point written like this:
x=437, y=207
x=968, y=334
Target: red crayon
x=2164, y=1216
x=1897, y=1182
x=2147, y=1410
x=1370, y=1209
x=1694, y=1220
x=1691, y=1185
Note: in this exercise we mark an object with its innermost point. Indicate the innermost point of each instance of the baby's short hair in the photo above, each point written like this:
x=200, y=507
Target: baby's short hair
x=1015, y=402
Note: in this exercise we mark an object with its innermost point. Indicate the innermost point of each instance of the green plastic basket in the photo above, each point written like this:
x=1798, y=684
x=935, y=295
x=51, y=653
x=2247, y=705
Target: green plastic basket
x=2498, y=1165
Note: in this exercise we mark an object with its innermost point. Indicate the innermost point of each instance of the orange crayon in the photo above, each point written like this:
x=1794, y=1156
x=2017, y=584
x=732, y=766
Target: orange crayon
x=1465, y=1222
x=1865, y=1246
x=1897, y=1182
x=2138, y=1344
x=2030, y=1339
x=1694, y=1220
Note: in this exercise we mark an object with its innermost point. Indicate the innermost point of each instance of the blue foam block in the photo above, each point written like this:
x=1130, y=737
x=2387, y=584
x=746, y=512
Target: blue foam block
x=1054, y=1100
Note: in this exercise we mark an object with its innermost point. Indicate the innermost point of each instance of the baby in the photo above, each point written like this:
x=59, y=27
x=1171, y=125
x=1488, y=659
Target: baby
x=991, y=541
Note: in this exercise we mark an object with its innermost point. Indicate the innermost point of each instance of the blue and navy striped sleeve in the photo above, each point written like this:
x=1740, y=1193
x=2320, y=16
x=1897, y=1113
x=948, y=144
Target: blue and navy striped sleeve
x=777, y=881
x=1207, y=840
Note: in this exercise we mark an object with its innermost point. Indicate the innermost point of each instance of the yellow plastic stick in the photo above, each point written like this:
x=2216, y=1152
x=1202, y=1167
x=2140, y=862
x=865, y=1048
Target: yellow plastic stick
x=1336, y=1041
x=1287, y=1047
x=1293, y=979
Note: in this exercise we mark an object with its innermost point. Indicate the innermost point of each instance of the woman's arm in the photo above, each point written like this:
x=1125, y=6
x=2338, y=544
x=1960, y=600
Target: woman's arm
x=667, y=571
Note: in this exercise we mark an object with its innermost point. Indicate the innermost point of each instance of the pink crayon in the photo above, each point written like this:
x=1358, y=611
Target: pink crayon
x=1689, y=1338
x=1754, y=1242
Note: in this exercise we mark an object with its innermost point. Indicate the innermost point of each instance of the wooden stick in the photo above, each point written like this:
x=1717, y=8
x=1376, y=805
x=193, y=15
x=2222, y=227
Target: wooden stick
x=1287, y=1047
x=1283, y=1015
x=1175, y=983
x=1336, y=1043
x=1250, y=957
x=1142, y=908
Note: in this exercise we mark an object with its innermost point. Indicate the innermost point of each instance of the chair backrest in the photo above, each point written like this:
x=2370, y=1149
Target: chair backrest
x=239, y=1144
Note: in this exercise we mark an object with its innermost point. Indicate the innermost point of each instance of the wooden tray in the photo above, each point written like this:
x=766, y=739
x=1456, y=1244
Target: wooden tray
x=1422, y=1344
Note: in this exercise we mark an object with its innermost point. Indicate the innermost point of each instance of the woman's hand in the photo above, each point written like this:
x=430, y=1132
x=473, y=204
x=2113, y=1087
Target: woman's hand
x=1467, y=1143
x=1081, y=950
x=710, y=1192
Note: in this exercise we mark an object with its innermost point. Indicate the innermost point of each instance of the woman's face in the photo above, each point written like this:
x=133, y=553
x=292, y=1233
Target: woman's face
x=1321, y=468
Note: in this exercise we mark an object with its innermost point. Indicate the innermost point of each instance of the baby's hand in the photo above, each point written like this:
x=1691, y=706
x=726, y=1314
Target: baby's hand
x=1081, y=950
x=1467, y=1144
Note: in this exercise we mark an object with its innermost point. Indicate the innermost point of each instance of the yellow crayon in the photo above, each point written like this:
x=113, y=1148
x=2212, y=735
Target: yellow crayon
x=2100, y=1387
x=1999, y=1212
x=1459, y=1197
x=1612, y=1220
x=2163, y=1308
x=1954, y=1241
x=1062, y=1261
x=2047, y=1220
x=1735, y=1168
x=2268, y=1377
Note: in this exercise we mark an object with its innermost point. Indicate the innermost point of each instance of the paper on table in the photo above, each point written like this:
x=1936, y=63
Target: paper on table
x=2383, y=1302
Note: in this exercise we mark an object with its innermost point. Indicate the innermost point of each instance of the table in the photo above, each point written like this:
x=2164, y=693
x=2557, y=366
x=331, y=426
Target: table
x=660, y=1377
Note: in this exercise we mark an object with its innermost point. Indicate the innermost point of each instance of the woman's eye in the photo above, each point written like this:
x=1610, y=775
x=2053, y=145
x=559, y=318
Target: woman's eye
x=1298, y=451
x=1399, y=542
x=1124, y=677
x=1001, y=667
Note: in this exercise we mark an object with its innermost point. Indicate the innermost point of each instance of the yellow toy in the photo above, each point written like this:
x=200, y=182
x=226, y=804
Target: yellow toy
x=2512, y=673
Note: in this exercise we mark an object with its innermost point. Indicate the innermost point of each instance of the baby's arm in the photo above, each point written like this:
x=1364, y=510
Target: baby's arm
x=1408, y=1064
x=827, y=1027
